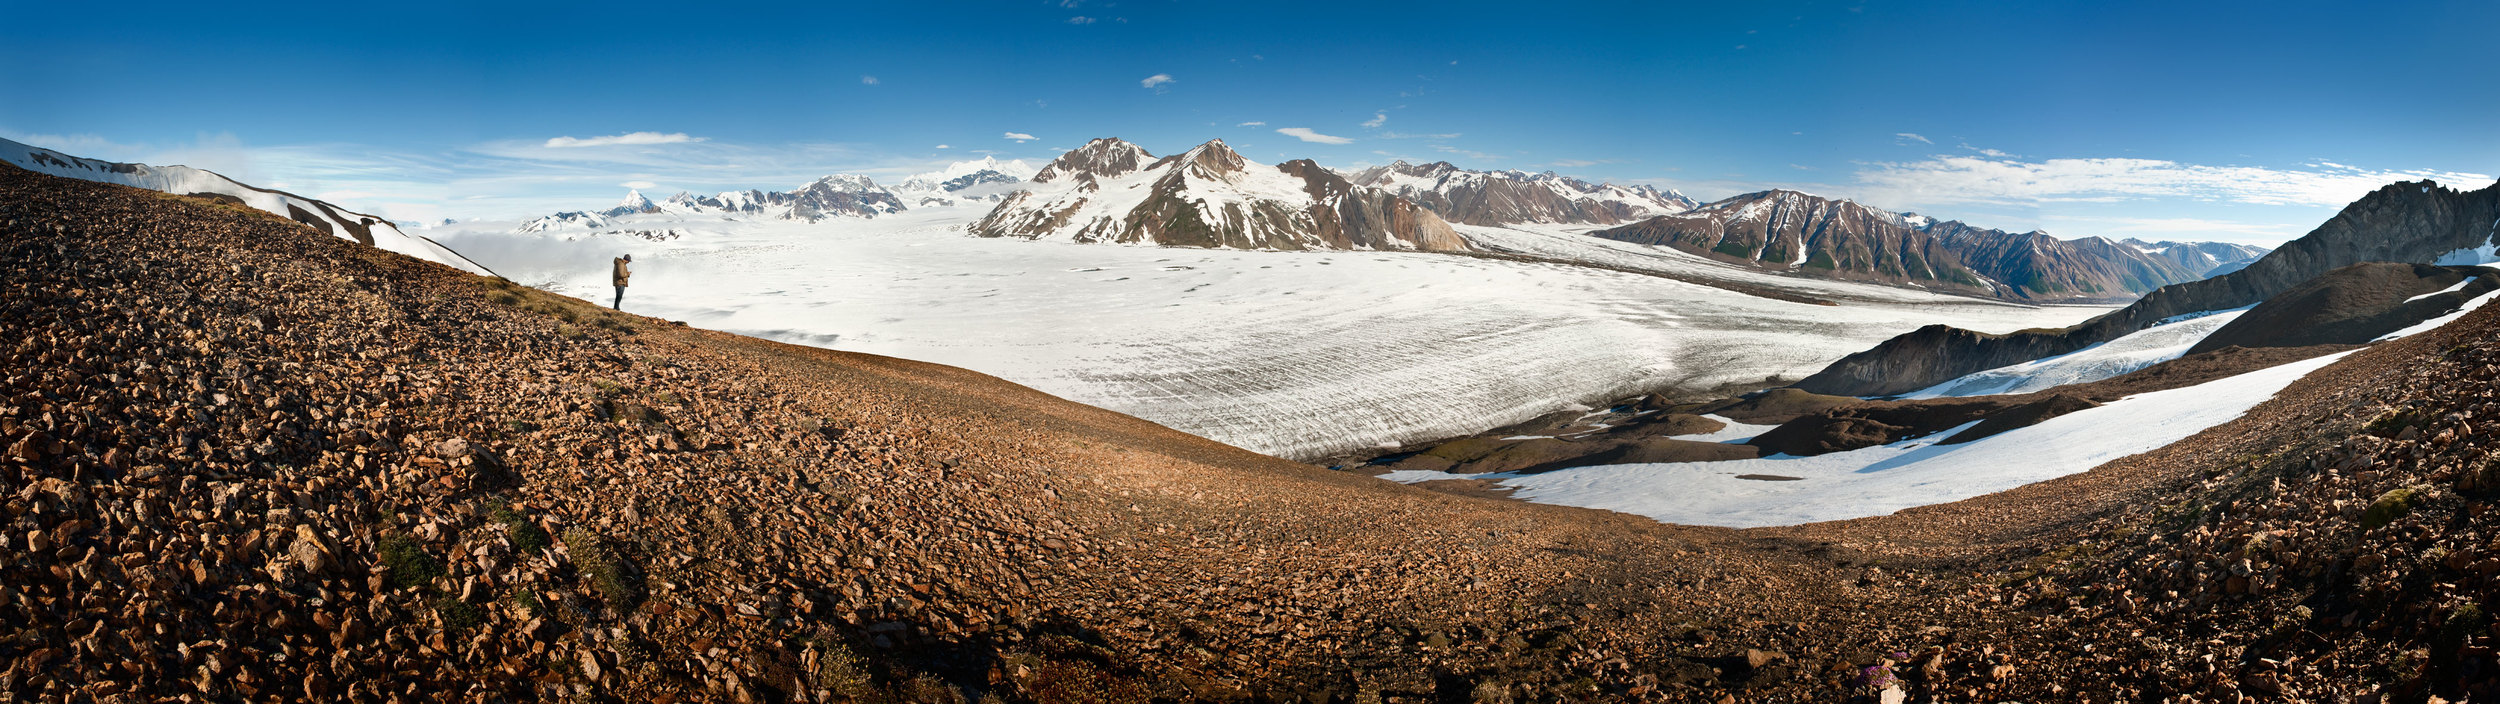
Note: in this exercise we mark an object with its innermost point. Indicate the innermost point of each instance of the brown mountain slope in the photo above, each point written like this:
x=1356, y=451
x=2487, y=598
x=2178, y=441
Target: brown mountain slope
x=245, y=462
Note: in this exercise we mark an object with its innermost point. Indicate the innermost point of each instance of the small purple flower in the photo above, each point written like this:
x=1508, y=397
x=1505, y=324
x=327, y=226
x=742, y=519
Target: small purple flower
x=1873, y=676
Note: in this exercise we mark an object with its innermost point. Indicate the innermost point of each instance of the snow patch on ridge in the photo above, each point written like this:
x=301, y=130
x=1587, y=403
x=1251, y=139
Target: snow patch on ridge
x=2162, y=342
x=184, y=180
x=1879, y=480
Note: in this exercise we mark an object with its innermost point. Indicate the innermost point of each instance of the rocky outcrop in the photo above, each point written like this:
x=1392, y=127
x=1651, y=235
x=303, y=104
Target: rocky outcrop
x=1209, y=196
x=2413, y=221
x=1840, y=239
x=1508, y=197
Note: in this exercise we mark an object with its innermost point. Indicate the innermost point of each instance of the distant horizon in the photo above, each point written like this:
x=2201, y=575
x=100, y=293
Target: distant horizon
x=2239, y=122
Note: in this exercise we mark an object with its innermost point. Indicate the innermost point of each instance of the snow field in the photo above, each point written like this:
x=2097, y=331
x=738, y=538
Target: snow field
x=1879, y=480
x=1297, y=354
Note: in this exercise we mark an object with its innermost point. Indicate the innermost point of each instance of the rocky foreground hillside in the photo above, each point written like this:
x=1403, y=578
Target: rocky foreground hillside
x=247, y=462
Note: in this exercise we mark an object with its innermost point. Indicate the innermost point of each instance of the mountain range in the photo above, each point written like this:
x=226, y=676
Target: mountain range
x=1113, y=191
x=1510, y=197
x=832, y=196
x=2419, y=222
x=1789, y=231
x=1210, y=196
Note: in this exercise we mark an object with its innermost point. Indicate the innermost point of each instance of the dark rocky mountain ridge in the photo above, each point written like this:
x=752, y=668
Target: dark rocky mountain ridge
x=1507, y=197
x=1810, y=235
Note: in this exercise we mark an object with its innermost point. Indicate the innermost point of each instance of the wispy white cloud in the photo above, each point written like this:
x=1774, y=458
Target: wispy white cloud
x=1908, y=137
x=1471, y=154
x=1989, y=152
x=1305, y=134
x=2176, y=228
x=86, y=145
x=2006, y=181
x=1571, y=163
x=638, y=185
x=1378, y=119
x=941, y=146
x=1158, y=80
x=629, y=138
x=867, y=80
x=1021, y=137
x=1080, y=19
x=1253, y=123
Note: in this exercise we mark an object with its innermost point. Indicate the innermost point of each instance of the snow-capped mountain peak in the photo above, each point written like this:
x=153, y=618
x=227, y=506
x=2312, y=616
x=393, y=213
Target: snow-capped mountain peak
x=1102, y=158
x=1210, y=196
x=1013, y=169
x=1514, y=196
x=634, y=203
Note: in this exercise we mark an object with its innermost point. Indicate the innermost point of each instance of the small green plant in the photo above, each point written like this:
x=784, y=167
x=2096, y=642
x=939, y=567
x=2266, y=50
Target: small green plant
x=2390, y=506
x=607, y=387
x=840, y=670
x=523, y=533
x=527, y=599
x=410, y=565
x=2392, y=421
x=635, y=413
x=2462, y=623
x=458, y=616
x=605, y=569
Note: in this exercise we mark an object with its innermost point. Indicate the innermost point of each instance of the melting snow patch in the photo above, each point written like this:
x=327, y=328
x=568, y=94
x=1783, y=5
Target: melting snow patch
x=2434, y=323
x=1734, y=433
x=1879, y=480
x=2452, y=289
x=2486, y=254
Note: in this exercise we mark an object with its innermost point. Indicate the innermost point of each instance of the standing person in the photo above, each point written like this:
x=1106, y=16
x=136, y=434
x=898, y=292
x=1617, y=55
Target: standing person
x=621, y=273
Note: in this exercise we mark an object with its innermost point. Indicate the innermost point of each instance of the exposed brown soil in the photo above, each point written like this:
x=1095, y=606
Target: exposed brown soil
x=247, y=462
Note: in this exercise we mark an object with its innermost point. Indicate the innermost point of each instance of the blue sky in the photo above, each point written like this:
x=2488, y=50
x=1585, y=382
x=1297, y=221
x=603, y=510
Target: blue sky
x=2240, y=121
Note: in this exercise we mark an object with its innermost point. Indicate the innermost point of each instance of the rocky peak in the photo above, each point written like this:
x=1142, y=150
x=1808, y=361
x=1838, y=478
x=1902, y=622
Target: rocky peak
x=635, y=200
x=841, y=183
x=974, y=179
x=1213, y=159
x=1101, y=158
x=634, y=203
